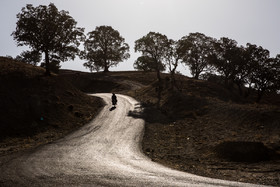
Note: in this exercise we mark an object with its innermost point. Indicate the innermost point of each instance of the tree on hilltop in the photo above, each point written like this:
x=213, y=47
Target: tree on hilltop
x=173, y=56
x=264, y=71
x=153, y=46
x=195, y=50
x=104, y=48
x=146, y=63
x=276, y=72
x=225, y=58
x=47, y=30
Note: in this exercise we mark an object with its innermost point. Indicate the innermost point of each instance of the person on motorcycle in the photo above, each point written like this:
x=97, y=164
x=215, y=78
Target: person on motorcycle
x=114, y=99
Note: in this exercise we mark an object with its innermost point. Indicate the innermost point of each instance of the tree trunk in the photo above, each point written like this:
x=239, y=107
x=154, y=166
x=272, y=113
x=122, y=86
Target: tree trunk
x=260, y=94
x=240, y=89
x=158, y=76
x=159, y=88
x=247, y=94
x=172, y=79
x=106, y=69
x=172, y=72
x=48, y=72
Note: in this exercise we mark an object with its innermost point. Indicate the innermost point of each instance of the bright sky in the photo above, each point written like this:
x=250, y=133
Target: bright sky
x=253, y=21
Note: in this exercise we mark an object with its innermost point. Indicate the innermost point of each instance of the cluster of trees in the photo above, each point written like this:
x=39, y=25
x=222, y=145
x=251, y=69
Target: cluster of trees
x=54, y=33
x=205, y=56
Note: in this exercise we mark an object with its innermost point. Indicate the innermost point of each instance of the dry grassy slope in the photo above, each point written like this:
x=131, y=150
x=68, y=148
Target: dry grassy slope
x=36, y=109
x=212, y=131
x=205, y=129
x=195, y=124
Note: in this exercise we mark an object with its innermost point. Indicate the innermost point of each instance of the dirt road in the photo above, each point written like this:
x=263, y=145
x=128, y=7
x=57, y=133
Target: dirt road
x=106, y=152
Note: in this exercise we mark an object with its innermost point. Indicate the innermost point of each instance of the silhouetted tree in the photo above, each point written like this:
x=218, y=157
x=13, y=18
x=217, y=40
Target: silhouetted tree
x=276, y=71
x=92, y=67
x=46, y=30
x=264, y=78
x=262, y=70
x=250, y=55
x=225, y=58
x=195, y=50
x=146, y=63
x=242, y=69
x=104, y=48
x=30, y=57
x=154, y=46
x=54, y=63
x=172, y=59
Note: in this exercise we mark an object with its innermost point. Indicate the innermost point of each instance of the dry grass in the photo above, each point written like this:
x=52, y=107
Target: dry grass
x=10, y=67
x=36, y=109
x=201, y=117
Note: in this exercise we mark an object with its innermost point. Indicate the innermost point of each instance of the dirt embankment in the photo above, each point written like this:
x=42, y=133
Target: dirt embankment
x=208, y=130
x=36, y=109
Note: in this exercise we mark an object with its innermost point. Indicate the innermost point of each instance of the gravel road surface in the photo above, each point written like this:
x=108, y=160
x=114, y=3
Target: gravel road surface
x=105, y=152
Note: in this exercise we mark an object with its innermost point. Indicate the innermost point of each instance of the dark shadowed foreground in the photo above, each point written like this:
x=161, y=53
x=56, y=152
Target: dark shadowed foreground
x=106, y=152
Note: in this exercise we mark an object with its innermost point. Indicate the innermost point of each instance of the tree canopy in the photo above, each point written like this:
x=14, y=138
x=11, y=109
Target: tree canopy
x=195, y=50
x=250, y=66
x=172, y=56
x=225, y=57
x=104, y=48
x=153, y=46
x=146, y=63
x=262, y=72
x=47, y=30
x=30, y=57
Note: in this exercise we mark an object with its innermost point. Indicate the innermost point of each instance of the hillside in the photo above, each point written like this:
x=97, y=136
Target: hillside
x=200, y=127
x=214, y=135
x=36, y=109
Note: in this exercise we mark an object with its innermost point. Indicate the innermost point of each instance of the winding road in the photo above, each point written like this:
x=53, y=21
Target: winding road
x=105, y=152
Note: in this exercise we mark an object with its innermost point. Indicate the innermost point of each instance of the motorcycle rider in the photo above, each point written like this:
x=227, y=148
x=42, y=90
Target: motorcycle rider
x=114, y=99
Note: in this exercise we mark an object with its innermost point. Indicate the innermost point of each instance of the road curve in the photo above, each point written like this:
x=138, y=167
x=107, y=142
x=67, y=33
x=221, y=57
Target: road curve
x=105, y=152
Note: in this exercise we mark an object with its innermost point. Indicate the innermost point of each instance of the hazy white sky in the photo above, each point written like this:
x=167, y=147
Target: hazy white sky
x=253, y=21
